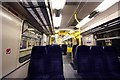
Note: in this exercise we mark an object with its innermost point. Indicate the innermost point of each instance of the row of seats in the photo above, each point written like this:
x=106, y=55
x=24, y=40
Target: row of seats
x=46, y=63
x=97, y=63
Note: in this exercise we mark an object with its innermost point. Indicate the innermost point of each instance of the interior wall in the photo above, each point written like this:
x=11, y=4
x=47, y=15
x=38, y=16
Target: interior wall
x=11, y=33
x=0, y=44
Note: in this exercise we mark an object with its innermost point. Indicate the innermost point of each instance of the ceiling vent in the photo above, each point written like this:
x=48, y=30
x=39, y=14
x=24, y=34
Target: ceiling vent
x=93, y=14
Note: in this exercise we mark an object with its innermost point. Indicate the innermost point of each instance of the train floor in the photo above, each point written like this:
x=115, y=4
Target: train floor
x=69, y=72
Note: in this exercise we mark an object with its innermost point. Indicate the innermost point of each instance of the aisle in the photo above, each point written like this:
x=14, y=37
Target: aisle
x=69, y=73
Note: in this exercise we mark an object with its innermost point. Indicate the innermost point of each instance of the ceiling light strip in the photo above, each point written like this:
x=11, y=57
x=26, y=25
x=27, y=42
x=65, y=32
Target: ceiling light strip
x=33, y=14
x=35, y=11
x=41, y=15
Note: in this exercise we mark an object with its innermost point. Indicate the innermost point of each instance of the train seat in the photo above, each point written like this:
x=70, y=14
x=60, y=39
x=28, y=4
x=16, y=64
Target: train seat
x=37, y=67
x=112, y=61
x=83, y=60
x=55, y=63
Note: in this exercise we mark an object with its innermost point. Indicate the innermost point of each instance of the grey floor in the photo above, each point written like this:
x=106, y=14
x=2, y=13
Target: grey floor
x=69, y=73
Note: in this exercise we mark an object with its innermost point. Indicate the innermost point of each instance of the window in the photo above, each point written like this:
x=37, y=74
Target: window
x=30, y=37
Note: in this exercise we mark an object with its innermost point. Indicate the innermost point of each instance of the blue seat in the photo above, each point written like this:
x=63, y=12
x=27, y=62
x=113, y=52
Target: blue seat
x=37, y=67
x=100, y=64
x=112, y=61
x=83, y=60
x=55, y=63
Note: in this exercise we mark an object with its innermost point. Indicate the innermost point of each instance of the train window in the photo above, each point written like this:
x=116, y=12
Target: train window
x=110, y=38
x=30, y=37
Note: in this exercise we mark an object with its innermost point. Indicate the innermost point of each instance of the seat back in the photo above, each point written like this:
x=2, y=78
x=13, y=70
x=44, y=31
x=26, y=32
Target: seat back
x=112, y=59
x=83, y=58
x=98, y=61
x=54, y=57
x=37, y=66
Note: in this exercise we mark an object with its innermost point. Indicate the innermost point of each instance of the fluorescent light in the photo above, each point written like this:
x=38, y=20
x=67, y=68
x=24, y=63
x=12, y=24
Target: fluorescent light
x=30, y=29
x=57, y=20
x=105, y=5
x=41, y=15
x=56, y=31
x=32, y=32
x=84, y=21
x=102, y=7
x=47, y=28
x=65, y=29
x=58, y=4
x=66, y=38
x=46, y=2
x=71, y=31
x=37, y=34
x=67, y=35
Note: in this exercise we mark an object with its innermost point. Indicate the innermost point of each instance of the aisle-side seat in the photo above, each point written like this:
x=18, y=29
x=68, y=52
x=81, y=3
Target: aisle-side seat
x=112, y=61
x=102, y=64
x=55, y=63
x=83, y=60
x=37, y=67
x=98, y=63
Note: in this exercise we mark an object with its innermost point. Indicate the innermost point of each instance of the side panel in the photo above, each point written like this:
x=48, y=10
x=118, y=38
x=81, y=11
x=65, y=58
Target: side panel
x=20, y=73
x=11, y=32
x=0, y=43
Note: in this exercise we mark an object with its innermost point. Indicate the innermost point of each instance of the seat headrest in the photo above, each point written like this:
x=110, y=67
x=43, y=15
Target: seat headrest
x=83, y=49
x=97, y=49
x=110, y=49
x=38, y=50
x=53, y=49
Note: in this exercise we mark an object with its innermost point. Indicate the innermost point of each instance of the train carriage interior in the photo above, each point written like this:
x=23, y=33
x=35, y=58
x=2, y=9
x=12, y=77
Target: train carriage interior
x=60, y=39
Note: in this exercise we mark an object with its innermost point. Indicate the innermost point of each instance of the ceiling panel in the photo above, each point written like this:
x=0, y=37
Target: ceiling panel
x=84, y=9
x=67, y=12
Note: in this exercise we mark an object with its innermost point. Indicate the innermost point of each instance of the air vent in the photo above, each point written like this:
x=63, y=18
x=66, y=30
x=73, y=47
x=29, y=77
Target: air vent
x=93, y=14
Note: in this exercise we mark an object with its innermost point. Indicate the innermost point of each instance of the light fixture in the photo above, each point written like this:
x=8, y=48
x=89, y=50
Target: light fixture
x=84, y=21
x=56, y=31
x=102, y=7
x=67, y=35
x=41, y=15
x=57, y=20
x=105, y=5
x=30, y=29
x=32, y=32
x=66, y=38
x=71, y=31
x=58, y=4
